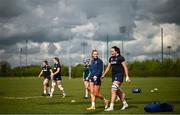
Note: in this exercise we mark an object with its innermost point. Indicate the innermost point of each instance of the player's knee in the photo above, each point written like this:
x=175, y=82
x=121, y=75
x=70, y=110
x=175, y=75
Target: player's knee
x=53, y=85
x=92, y=92
x=115, y=87
x=96, y=94
x=45, y=82
x=60, y=87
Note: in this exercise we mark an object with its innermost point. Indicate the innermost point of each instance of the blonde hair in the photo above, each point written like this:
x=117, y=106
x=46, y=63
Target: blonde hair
x=95, y=50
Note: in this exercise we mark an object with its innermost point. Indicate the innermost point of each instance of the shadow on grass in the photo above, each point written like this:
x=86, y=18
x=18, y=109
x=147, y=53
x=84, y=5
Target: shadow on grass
x=146, y=102
x=65, y=103
x=2, y=93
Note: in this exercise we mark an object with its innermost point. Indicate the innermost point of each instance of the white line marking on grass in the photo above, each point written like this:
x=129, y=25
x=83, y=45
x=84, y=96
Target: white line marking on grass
x=24, y=98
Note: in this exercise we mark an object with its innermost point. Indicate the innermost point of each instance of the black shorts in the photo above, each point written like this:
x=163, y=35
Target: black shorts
x=57, y=78
x=118, y=77
x=95, y=82
x=47, y=77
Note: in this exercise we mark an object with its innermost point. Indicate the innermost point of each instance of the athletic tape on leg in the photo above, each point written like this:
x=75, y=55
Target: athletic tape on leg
x=115, y=86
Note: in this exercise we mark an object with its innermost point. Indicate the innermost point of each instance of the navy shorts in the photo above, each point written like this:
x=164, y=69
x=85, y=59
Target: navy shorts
x=118, y=77
x=95, y=82
x=47, y=77
x=57, y=78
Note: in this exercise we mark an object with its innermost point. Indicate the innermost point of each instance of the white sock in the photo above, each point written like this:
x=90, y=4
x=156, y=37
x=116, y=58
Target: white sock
x=52, y=91
x=112, y=105
x=124, y=102
x=49, y=90
x=86, y=95
x=44, y=91
x=93, y=104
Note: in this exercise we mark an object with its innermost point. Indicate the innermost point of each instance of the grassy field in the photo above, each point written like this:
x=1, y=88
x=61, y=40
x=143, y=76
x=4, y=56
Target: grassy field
x=22, y=95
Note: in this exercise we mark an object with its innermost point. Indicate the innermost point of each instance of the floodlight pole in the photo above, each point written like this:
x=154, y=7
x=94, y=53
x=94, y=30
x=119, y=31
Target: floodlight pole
x=20, y=57
x=26, y=51
x=70, y=71
x=122, y=47
x=162, y=55
x=68, y=52
x=107, y=51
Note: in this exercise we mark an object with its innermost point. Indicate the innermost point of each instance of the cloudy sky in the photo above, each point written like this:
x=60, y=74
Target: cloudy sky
x=70, y=29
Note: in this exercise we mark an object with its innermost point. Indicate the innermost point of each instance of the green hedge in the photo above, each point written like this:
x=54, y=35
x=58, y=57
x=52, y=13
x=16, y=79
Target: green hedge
x=145, y=68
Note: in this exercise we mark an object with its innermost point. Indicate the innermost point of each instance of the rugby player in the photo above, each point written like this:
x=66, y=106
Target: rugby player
x=96, y=69
x=119, y=69
x=56, y=77
x=46, y=71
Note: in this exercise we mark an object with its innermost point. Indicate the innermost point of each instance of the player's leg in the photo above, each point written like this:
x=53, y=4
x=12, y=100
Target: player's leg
x=61, y=88
x=52, y=87
x=114, y=88
x=93, y=98
x=45, y=86
x=86, y=85
x=121, y=95
x=97, y=94
x=48, y=88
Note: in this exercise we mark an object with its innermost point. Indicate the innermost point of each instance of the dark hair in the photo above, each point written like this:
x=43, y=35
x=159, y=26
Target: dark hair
x=56, y=58
x=117, y=49
x=46, y=62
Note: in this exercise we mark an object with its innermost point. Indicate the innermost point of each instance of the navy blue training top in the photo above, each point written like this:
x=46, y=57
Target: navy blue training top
x=46, y=71
x=56, y=66
x=115, y=62
x=96, y=68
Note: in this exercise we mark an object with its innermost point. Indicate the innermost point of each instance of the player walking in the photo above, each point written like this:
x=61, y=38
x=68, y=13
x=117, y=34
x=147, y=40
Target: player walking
x=96, y=69
x=56, y=77
x=119, y=68
x=86, y=74
x=46, y=71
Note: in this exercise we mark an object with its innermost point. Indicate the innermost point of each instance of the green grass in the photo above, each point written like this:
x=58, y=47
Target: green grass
x=169, y=91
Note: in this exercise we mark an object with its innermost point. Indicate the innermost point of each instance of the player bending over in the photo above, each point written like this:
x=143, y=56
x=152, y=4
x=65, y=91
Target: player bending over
x=56, y=77
x=46, y=71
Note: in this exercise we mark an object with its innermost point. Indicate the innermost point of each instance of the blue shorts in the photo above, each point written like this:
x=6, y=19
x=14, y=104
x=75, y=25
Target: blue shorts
x=95, y=82
x=118, y=77
x=57, y=78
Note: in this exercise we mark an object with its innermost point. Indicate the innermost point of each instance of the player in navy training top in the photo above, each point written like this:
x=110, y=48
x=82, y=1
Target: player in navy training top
x=46, y=71
x=96, y=69
x=56, y=77
x=119, y=68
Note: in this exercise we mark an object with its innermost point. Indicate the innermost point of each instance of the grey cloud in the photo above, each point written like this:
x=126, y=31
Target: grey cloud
x=51, y=21
x=162, y=11
x=12, y=8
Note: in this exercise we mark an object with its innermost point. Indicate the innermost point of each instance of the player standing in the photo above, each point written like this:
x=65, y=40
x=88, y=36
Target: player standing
x=56, y=77
x=119, y=68
x=96, y=69
x=86, y=74
x=46, y=71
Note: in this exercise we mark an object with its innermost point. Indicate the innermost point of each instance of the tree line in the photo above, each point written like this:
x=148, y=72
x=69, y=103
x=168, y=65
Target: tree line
x=136, y=68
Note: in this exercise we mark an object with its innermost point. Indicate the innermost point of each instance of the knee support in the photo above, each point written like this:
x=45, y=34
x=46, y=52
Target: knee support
x=60, y=87
x=115, y=87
